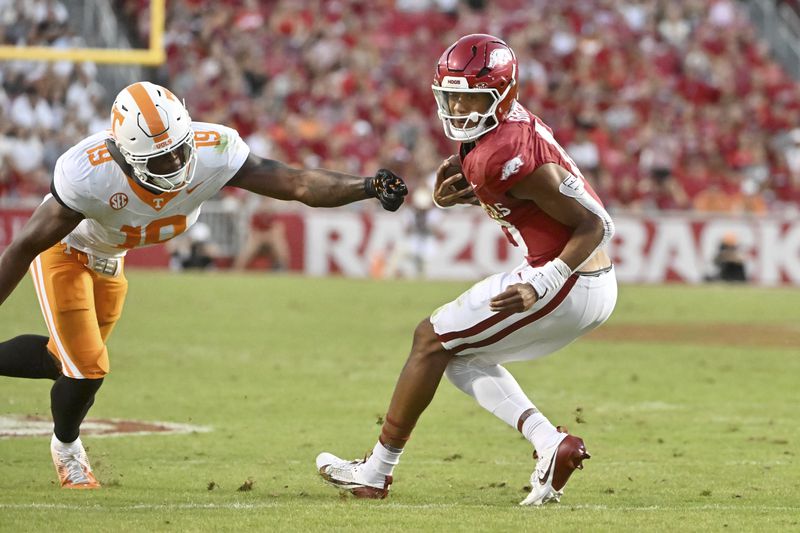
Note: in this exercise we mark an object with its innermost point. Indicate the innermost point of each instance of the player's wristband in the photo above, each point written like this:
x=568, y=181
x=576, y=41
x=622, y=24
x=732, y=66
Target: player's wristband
x=547, y=278
x=369, y=187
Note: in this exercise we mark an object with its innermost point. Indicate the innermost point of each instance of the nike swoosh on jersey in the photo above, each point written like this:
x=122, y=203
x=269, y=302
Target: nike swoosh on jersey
x=190, y=190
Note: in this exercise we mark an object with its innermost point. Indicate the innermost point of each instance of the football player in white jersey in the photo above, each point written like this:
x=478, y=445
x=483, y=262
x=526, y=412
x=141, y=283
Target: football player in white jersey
x=140, y=183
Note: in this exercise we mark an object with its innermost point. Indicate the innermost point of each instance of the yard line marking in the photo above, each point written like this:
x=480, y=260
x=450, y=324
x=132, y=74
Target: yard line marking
x=39, y=426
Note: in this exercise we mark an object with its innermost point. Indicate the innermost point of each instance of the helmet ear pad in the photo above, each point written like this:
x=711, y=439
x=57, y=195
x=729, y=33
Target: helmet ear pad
x=505, y=105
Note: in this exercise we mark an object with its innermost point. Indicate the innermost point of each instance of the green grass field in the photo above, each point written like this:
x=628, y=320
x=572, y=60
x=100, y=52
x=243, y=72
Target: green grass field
x=687, y=400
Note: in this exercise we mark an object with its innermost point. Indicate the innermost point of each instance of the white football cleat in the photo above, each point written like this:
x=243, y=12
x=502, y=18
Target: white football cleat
x=72, y=465
x=349, y=476
x=553, y=469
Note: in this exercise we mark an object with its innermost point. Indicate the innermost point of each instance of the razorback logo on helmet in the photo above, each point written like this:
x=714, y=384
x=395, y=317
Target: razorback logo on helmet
x=511, y=167
x=500, y=57
x=479, y=63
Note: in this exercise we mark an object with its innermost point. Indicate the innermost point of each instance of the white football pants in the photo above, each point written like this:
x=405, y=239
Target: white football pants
x=482, y=339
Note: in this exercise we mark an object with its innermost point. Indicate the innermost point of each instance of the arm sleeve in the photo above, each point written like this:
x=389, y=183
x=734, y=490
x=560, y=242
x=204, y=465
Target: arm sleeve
x=574, y=187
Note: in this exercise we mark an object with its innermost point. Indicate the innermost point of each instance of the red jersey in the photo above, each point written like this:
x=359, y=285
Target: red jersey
x=503, y=157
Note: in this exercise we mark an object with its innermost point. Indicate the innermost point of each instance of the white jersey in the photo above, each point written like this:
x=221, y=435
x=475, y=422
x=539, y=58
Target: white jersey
x=120, y=213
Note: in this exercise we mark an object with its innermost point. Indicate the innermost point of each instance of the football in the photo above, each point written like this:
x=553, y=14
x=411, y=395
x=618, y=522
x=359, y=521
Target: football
x=455, y=168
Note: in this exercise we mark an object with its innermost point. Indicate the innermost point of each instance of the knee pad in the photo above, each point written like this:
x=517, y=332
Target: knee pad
x=463, y=371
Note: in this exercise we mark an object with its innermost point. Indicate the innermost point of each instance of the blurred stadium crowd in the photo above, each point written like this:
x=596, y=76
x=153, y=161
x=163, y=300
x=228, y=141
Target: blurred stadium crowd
x=663, y=104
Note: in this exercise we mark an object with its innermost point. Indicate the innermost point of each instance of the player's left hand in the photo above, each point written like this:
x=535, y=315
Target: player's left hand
x=387, y=187
x=515, y=299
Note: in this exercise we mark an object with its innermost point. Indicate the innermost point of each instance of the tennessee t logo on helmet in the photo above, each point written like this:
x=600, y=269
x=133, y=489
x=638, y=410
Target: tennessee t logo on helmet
x=148, y=122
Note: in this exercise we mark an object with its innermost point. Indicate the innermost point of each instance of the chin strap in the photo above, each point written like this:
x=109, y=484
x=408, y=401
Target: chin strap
x=127, y=169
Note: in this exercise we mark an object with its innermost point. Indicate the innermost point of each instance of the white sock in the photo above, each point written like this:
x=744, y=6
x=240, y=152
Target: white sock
x=539, y=431
x=55, y=442
x=382, y=462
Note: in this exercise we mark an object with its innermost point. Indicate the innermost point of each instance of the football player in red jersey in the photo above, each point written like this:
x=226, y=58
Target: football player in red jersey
x=140, y=183
x=566, y=287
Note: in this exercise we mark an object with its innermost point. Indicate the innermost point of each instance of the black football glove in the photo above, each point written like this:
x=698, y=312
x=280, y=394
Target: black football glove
x=386, y=187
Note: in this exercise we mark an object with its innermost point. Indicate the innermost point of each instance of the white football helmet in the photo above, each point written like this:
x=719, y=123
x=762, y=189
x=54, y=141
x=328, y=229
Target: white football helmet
x=147, y=122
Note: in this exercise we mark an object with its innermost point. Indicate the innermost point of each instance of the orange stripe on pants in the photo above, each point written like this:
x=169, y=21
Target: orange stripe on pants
x=80, y=308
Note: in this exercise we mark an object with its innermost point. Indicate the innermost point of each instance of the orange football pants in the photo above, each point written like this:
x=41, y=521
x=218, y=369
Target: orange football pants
x=80, y=308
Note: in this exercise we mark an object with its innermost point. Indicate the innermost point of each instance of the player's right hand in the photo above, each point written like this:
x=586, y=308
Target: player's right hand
x=446, y=192
x=515, y=299
x=387, y=187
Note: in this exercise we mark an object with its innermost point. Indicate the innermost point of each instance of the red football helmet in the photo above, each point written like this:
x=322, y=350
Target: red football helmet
x=476, y=63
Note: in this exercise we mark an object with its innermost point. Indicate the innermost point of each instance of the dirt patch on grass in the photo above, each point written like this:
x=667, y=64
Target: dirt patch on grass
x=778, y=336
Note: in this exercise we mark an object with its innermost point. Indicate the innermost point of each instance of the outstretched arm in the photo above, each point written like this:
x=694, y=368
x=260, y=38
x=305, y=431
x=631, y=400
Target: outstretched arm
x=317, y=187
x=50, y=223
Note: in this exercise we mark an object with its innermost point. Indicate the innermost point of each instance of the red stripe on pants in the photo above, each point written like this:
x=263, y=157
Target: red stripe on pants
x=551, y=305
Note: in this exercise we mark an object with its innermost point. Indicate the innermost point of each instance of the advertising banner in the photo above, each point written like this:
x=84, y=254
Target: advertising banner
x=464, y=244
